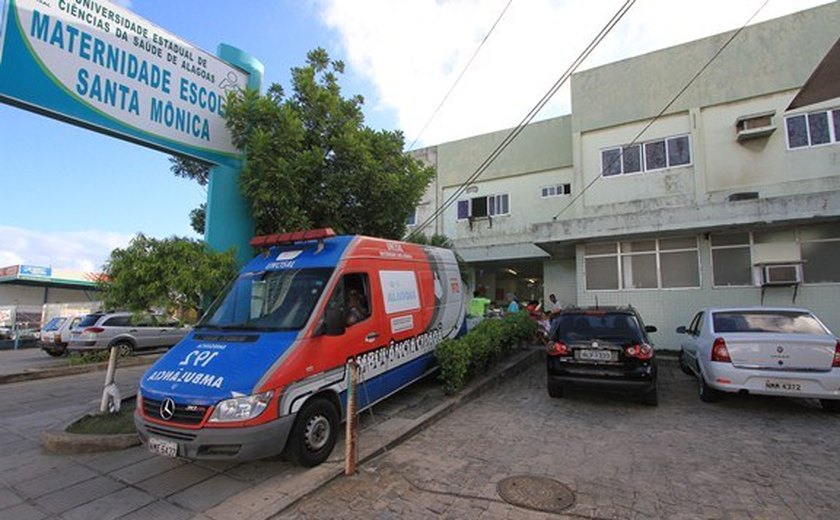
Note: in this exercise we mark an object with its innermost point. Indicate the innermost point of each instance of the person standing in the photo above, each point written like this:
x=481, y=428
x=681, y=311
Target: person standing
x=514, y=305
x=478, y=305
x=556, y=308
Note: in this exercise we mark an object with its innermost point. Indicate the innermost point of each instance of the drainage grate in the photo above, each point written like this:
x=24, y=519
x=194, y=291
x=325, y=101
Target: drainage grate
x=536, y=493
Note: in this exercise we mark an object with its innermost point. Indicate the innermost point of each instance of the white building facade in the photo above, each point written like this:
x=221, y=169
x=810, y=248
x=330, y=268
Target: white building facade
x=724, y=197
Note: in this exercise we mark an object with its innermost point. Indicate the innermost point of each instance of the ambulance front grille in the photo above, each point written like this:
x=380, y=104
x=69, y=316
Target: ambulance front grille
x=184, y=414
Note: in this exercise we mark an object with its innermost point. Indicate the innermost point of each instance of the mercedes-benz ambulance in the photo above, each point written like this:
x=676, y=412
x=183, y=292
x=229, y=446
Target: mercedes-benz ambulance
x=263, y=372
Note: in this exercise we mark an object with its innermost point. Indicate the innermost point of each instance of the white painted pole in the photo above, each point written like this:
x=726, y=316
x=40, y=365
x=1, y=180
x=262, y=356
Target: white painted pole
x=109, y=380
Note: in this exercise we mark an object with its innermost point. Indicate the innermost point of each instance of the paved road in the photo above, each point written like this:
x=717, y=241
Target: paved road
x=134, y=484
x=746, y=457
x=15, y=361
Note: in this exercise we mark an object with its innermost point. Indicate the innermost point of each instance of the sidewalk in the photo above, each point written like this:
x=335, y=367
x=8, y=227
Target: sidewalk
x=133, y=483
x=29, y=364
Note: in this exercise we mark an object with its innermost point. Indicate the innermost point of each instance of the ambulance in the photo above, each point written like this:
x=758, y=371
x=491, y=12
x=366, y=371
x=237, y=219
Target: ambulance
x=264, y=370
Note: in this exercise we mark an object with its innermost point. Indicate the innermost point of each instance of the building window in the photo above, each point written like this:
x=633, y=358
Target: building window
x=653, y=155
x=820, y=247
x=412, y=219
x=814, y=129
x=485, y=206
x=556, y=190
x=731, y=260
x=671, y=263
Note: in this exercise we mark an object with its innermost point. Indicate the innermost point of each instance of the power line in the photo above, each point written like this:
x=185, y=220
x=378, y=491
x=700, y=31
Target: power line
x=461, y=75
x=514, y=133
x=661, y=112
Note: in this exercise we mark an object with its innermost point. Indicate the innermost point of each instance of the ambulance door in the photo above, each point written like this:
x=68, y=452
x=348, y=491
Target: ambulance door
x=356, y=293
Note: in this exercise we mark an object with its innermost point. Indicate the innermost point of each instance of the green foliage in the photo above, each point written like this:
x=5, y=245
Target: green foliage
x=174, y=274
x=462, y=359
x=87, y=358
x=189, y=168
x=198, y=217
x=311, y=161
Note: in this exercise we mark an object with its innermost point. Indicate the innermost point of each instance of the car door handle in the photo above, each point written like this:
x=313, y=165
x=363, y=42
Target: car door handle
x=133, y=330
x=370, y=338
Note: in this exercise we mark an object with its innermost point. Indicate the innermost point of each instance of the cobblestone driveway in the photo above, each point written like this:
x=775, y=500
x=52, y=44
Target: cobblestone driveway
x=745, y=457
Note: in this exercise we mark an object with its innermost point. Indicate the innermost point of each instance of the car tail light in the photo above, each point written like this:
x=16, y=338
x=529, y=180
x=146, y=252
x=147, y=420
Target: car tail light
x=93, y=330
x=720, y=352
x=57, y=339
x=641, y=351
x=558, y=348
x=836, y=362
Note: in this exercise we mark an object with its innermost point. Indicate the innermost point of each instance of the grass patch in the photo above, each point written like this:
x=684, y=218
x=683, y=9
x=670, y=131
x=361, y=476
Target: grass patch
x=86, y=358
x=107, y=424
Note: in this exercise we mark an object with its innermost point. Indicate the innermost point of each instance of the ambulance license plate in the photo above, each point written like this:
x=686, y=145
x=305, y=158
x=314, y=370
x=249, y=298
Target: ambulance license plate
x=163, y=447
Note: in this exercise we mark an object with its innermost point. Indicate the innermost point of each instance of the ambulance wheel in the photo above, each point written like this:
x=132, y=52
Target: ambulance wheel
x=313, y=435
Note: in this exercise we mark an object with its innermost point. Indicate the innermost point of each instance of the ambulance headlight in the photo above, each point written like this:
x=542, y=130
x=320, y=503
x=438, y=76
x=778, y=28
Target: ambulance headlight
x=241, y=408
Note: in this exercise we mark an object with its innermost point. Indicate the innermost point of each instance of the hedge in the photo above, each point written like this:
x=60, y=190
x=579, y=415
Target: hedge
x=462, y=359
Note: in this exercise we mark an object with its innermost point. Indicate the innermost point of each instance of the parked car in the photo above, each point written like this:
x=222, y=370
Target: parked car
x=101, y=330
x=56, y=333
x=602, y=347
x=769, y=351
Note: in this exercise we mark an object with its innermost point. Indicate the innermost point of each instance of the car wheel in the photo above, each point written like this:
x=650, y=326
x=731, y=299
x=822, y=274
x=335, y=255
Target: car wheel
x=684, y=365
x=313, y=435
x=651, y=397
x=555, y=390
x=57, y=351
x=707, y=393
x=124, y=348
x=830, y=405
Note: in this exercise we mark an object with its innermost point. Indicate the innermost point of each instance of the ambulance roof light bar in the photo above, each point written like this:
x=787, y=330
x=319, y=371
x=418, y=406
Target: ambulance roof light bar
x=266, y=241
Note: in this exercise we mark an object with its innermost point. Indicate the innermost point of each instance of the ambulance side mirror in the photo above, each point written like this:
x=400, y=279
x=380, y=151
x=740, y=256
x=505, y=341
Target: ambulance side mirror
x=334, y=321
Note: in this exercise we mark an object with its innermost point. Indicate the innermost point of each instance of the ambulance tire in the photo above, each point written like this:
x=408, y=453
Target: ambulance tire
x=314, y=433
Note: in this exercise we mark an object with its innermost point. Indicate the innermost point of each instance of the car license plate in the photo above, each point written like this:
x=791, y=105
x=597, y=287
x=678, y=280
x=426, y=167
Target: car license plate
x=775, y=384
x=595, y=355
x=163, y=447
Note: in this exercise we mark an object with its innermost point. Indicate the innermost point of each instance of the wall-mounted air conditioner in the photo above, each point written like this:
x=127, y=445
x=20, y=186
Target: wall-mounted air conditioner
x=781, y=274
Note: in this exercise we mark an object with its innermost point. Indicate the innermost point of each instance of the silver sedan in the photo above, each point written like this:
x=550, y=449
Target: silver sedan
x=762, y=350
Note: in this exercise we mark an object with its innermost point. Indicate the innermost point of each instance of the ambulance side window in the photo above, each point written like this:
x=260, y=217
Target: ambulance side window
x=356, y=297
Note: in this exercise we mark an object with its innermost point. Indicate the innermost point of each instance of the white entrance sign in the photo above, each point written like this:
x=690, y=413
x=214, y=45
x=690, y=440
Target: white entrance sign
x=101, y=66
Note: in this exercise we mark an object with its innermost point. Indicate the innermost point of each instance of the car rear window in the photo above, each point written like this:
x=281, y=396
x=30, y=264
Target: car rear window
x=602, y=325
x=118, y=321
x=787, y=322
x=89, y=320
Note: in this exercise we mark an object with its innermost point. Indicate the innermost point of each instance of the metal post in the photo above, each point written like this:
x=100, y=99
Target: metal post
x=108, y=392
x=352, y=434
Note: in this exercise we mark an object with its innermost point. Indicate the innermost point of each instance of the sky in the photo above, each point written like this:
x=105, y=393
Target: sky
x=69, y=196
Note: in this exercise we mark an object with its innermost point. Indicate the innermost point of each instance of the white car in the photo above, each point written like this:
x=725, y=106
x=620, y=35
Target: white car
x=762, y=350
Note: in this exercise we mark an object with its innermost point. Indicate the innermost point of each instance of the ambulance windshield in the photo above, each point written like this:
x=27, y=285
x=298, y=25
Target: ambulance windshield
x=268, y=300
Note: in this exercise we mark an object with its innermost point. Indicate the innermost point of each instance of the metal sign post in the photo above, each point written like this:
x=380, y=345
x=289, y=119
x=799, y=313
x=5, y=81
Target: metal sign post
x=352, y=434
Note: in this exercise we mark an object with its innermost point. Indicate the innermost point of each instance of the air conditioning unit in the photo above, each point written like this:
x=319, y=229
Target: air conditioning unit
x=782, y=274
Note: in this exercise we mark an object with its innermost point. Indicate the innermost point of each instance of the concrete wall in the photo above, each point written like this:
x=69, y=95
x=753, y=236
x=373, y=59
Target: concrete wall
x=544, y=145
x=526, y=206
x=774, y=56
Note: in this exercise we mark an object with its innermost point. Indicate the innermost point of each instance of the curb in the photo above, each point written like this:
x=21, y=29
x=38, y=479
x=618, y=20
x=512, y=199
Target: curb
x=64, y=443
x=46, y=373
x=266, y=500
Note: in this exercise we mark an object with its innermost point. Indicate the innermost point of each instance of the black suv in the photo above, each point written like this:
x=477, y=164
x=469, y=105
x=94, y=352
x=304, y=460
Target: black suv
x=606, y=347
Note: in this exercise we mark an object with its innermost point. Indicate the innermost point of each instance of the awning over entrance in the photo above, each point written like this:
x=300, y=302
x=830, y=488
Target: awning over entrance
x=38, y=276
x=501, y=252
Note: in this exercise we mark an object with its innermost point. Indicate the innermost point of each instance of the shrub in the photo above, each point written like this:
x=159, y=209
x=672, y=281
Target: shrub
x=462, y=359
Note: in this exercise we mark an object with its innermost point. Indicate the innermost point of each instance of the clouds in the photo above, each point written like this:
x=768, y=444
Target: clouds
x=411, y=51
x=75, y=250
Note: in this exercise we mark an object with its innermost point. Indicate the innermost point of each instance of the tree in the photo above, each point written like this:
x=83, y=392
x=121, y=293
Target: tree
x=311, y=161
x=174, y=274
